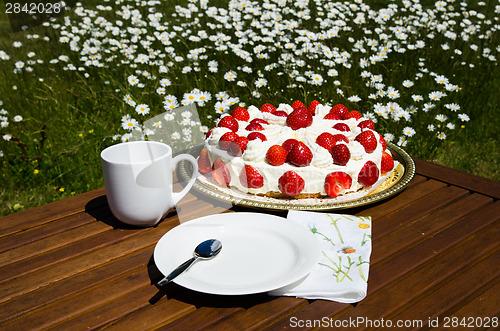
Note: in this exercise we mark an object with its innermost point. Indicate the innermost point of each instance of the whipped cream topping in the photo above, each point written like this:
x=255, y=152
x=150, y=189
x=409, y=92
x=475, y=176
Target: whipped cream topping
x=276, y=133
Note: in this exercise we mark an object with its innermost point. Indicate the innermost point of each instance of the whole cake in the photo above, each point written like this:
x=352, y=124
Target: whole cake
x=295, y=151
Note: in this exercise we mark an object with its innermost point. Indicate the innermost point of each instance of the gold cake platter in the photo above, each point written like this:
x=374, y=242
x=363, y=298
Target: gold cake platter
x=395, y=182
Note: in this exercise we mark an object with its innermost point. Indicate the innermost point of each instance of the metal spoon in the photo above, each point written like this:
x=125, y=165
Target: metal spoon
x=205, y=250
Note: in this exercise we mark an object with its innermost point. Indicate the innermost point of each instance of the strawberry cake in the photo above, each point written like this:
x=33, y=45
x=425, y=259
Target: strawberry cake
x=294, y=151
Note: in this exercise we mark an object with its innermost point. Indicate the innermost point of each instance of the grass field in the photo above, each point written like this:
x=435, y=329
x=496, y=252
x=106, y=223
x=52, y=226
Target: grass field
x=425, y=71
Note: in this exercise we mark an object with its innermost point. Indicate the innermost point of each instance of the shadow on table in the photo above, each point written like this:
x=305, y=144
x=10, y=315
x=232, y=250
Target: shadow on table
x=198, y=299
x=99, y=209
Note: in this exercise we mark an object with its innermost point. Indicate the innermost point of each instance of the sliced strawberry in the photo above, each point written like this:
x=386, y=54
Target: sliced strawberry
x=336, y=182
x=340, y=137
x=299, y=118
x=254, y=127
x=241, y=114
x=267, y=108
x=256, y=135
x=312, y=107
x=382, y=142
x=342, y=127
x=332, y=116
x=288, y=144
x=297, y=104
x=290, y=183
x=276, y=155
x=326, y=140
x=259, y=121
x=353, y=114
x=367, y=124
x=220, y=173
x=300, y=155
x=229, y=122
x=226, y=139
x=368, y=140
x=340, y=154
x=387, y=163
x=204, y=164
x=340, y=110
x=238, y=146
x=250, y=177
x=280, y=113
x=369, y=174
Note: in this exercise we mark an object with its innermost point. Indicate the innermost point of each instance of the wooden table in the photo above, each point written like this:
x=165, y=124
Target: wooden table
x=69, y=265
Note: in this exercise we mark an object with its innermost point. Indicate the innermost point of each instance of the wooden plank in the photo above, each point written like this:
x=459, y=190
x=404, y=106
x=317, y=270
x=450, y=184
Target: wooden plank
x=392, y=282
x=409, y=234
x=458, y=178
x=44, y=231
x=127, y=305
x=55, y=241
x=424, y=280
x=41, y=297
x=200, y=319
x=486, y=304
x=260, y=315
x=454, y=292
x=427, y=205
x=26, y=219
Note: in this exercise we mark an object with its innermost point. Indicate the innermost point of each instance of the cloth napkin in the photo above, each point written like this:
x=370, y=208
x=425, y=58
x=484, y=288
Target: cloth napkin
x=342, y=272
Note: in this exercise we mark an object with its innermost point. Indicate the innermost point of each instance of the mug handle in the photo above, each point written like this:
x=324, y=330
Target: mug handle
x=177, y=196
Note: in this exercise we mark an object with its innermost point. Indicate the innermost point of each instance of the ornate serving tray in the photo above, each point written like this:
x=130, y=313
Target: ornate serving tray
x=391, y=184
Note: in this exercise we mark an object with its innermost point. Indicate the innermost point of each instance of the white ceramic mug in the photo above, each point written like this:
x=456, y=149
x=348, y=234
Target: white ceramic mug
x=138, y=180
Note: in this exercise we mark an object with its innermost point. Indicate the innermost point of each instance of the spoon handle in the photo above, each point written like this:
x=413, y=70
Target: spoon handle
x=177, y=271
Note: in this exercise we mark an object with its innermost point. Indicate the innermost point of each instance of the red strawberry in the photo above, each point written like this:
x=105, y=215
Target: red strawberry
x=300, y=155
x=369, y=174
x=250, y=177
x=342, y=127
x=226, y=139
x=238, y=146
x=259, y=121
x=299, y=118
x=229, y=122
x=382, y=142
x=367, y=124
x=326, y=140
x=387, y=162
x=368, y=140
x=254, y=127
x=209, y=133
x=312, y=107
x=288, y=144
x=220, y=173
x=204, y=164
x=353, y=114
x=338, y=137
x=256, y=135
x=241, y=114
x=276, y=155
x=297, y=104
x=340, y=154
x=290, y=183
x=332, y=116
x=336, y=182
x=267, y=108
x=280, y=113
x=340, y=110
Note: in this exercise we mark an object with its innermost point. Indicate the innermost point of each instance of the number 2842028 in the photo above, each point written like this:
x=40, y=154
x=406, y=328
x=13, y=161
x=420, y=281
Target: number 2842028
x=33, y=8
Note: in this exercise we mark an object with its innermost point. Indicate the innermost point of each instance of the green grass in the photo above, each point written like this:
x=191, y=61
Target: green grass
x=69, y=118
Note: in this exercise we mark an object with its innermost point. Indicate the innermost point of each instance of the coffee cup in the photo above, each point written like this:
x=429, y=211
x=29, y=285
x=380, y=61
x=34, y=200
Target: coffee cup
x=138, y=181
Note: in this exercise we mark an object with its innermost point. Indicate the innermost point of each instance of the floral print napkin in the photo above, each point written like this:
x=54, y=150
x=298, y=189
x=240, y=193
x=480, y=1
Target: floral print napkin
x=342, y=272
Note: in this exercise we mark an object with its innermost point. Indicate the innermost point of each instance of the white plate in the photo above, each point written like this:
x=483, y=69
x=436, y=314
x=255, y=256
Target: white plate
x=259, y=253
